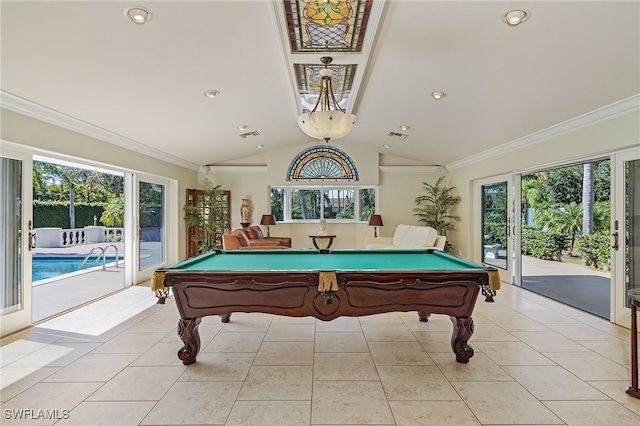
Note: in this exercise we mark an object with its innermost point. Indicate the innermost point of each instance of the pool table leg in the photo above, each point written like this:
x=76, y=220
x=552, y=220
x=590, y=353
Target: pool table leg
x=488, y=294
x=188, y=332
x=225, y=317
x=462, y=331
x=423, y=316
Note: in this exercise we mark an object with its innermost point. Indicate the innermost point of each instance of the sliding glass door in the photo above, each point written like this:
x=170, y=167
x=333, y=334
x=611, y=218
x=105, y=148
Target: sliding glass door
x=150, y=222
x=16, y=230
x=625, y=234
x=496, y=219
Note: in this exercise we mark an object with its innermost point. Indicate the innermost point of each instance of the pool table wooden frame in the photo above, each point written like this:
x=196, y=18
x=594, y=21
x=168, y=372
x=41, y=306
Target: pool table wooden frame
x=201, y=293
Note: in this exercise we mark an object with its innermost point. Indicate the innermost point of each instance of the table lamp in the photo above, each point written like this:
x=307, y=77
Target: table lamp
x=268, y=219
x=375, y=220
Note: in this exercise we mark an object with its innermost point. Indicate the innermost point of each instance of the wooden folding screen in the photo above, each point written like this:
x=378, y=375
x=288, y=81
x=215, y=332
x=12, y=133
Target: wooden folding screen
x=201, y=201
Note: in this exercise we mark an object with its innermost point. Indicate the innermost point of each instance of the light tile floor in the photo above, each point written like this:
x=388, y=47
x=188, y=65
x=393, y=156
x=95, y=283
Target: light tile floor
x=114, y=362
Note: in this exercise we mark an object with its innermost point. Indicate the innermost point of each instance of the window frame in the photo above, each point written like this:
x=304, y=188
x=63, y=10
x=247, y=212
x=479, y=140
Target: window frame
x=287, y=201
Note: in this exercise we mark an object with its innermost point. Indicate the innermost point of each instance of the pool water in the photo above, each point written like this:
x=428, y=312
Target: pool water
x=44, y=267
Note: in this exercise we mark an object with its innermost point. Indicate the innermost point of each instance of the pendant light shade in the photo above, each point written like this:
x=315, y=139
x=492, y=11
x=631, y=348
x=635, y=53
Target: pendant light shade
x=327, y=120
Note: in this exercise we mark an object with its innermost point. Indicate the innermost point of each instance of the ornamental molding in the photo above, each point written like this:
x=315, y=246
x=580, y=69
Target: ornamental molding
x=606, y=113
x=25, y=107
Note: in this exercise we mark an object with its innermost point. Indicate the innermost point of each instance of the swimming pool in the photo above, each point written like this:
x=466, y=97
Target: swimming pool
x=49, y=266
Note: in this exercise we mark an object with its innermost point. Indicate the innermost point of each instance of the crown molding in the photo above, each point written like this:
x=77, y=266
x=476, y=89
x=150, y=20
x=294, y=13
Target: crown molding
x=30, y=109
x=411, y=169
x=608, y=112
x=233, y=169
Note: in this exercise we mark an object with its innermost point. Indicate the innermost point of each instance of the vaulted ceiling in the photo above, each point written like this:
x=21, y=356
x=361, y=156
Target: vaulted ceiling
x=143, y=85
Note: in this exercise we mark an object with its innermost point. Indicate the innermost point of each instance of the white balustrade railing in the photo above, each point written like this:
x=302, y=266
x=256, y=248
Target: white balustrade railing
x=113, y=234
x=58, y=237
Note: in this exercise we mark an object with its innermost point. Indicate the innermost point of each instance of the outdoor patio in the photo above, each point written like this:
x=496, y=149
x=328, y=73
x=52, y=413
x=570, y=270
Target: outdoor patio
x=59, y=294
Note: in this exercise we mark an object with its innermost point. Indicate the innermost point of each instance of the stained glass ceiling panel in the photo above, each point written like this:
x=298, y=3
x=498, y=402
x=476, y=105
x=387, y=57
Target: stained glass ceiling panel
x=309, y=83
x=327, y=25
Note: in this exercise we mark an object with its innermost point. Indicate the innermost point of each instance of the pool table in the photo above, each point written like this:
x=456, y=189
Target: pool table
x=325, y=284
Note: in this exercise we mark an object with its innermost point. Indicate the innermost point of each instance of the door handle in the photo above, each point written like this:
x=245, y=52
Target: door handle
x=614, y=244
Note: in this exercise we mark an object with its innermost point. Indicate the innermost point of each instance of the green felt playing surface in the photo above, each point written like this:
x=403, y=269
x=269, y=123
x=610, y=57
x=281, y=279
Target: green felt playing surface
x=312, y=260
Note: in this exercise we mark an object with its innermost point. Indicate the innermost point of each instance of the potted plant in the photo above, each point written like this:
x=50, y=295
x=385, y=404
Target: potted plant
x=434, y=209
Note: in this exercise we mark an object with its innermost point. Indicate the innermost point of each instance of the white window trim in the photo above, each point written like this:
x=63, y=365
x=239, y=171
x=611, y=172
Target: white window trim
x=321, y=188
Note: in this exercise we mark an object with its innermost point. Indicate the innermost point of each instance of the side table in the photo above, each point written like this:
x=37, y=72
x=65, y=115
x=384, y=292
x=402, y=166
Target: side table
x=634, y=300
x=315, y=239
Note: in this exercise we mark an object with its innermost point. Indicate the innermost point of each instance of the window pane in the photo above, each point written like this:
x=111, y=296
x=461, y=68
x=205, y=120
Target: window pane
x=11, y=231
x=339, y=203
x=277, y=203
x=151, y=217
x=367, y=203
x=494, y=224
x=305, y=204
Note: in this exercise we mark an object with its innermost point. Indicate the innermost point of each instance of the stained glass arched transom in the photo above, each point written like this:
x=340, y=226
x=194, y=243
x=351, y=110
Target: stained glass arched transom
x=323, y=162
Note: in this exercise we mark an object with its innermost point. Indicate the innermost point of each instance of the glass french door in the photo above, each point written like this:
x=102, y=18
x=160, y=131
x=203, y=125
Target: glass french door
x=495, y=240
x=150, y=220
x=15, y=239
x=625, y=233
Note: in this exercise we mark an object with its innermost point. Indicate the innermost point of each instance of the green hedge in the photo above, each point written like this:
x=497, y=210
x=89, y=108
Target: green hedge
x=543, y=245
x=596, y=249
x=495, y=233
x=55, y=214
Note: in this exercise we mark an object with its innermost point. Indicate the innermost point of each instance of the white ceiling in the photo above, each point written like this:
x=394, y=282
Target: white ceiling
x=145, y=84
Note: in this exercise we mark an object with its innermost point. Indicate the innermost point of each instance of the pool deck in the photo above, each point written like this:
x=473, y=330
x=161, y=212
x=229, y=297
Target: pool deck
x=57, y=295
x=80, y=250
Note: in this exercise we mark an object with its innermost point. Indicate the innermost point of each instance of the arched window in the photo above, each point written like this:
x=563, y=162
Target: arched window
x=323, y=163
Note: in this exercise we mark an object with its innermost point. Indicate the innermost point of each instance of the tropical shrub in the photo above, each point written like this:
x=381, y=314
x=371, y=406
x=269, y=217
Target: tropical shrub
x=113, y=215
x=434, y=208
x=542, y=244
x=595, y=249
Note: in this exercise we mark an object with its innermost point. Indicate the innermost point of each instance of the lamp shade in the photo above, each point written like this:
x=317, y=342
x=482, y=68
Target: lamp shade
x=375, y=220
x=268, y=219
x=326, y=124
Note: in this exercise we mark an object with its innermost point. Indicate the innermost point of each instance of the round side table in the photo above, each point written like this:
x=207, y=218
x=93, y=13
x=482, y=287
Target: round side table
x=314, y=238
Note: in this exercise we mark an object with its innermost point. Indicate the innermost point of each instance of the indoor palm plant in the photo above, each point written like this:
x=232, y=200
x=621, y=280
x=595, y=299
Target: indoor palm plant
x=434, y=208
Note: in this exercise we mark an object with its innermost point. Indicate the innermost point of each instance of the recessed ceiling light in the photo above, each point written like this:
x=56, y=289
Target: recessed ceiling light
x=211, y=93
x=515, y=17
x=259, y=146
x=404, y=128
x=438, y=95
x=243, y=127
x=138, y=15
x=385, y=146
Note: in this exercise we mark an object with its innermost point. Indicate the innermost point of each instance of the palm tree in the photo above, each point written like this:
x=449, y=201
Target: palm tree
x=567, y=220
x=588, y=200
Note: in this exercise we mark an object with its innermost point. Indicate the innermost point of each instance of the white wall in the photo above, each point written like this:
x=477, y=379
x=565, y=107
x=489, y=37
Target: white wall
x=400, y=180
x=45, y=137
x=597, y=140
x=398, y=187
